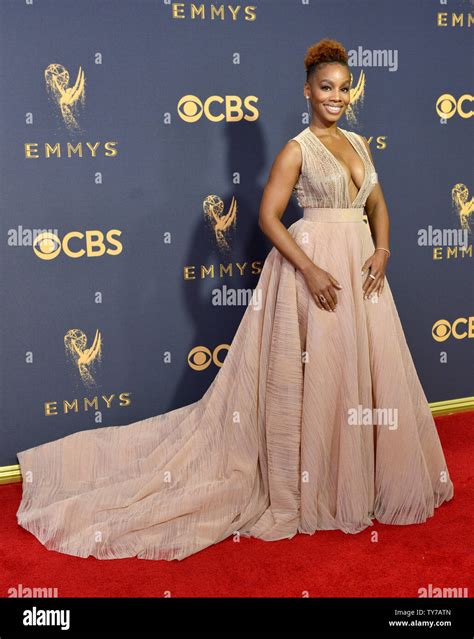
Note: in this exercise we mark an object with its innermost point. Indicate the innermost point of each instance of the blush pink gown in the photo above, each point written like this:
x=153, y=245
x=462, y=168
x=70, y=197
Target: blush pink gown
x=269, y=450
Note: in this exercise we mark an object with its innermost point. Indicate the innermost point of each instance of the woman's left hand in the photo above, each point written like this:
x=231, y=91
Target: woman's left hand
x=375, y=265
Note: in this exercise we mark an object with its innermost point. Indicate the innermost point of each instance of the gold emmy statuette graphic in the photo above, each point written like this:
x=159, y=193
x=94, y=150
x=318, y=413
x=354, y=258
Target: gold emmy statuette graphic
x=462, y=205
x=66, y=97
x=75, y=342
x=213, y=208
x=356, y=94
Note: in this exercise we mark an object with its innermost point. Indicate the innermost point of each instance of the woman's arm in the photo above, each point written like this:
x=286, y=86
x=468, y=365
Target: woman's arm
x=283, y=176
x=377, y=214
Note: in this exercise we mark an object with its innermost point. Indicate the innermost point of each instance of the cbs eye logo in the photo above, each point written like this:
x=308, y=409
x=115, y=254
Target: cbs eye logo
x=447, y=106
x=217, y=108
x=461, y=328
x=47, y=246
x=200, y=357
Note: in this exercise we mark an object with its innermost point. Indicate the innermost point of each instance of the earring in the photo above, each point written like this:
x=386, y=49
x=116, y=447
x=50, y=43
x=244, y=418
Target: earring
x=307, y=103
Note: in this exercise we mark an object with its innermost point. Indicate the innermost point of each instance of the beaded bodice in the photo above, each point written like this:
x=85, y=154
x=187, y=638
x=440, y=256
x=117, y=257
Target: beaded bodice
x=323, y=182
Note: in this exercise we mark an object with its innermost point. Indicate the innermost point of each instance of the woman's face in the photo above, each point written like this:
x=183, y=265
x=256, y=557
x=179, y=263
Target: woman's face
x=329, y=92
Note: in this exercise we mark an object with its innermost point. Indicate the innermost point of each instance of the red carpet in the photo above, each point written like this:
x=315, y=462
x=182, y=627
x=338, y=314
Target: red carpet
x=326, y=564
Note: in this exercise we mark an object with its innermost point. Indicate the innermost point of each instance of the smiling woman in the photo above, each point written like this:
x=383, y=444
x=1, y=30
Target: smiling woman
x=280, y=443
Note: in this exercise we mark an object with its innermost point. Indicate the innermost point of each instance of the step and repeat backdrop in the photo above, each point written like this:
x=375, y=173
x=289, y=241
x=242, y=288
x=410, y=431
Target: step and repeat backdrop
x=136, y=140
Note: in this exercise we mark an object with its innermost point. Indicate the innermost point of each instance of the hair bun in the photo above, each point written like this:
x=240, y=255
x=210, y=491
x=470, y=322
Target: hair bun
x=325, y=51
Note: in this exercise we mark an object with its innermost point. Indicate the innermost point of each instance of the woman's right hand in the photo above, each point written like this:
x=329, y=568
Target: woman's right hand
x=322, y=285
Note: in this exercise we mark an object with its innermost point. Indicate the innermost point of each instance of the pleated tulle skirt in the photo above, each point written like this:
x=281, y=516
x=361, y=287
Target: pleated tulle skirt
x=315, y=421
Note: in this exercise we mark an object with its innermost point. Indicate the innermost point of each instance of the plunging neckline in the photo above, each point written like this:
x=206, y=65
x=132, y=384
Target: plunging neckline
x=340, y=167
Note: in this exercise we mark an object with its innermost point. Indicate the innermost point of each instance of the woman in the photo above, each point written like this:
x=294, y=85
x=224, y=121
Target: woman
x=316, y=420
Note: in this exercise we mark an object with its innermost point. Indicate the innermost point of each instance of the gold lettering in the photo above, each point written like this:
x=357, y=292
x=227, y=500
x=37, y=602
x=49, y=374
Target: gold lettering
x=74, y=149
x=93, y=404
x=207, y=271
x=65, y=244
x=189, y=272
x=31, y=150
x=67, y=406
x=52, y=150
x=108, y=400
x=50, y=408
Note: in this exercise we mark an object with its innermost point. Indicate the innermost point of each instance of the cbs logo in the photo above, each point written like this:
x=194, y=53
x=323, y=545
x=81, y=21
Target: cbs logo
x=461, y=328
x=447, y=106
x=200, y=357
x=48, y=246
x=217, y=108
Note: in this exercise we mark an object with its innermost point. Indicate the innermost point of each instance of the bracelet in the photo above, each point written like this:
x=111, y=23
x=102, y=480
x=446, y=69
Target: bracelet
x=380, y=248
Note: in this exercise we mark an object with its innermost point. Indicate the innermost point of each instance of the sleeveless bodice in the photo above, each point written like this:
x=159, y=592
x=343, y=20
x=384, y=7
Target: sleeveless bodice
x=323, y=182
